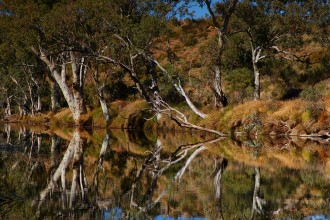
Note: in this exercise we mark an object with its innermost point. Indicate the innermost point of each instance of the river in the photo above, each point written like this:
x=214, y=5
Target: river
x=113, y=174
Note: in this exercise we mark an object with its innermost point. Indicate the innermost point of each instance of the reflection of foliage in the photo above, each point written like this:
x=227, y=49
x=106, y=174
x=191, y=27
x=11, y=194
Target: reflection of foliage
x=193, y=195
x=9, y=200
x=313, y=179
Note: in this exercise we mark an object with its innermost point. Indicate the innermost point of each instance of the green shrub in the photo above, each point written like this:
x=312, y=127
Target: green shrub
x=189, y=40
x=310, y=94
x=240, y=84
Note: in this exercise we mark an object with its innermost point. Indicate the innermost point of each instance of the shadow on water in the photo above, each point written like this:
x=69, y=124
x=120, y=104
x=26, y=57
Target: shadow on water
x=113, y=174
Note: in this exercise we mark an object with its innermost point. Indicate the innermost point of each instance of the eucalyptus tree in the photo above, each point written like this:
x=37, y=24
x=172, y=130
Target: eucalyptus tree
x=274, y=29
x=21, y=78
x=220, y=13
x=55, y=32
x=134, y=30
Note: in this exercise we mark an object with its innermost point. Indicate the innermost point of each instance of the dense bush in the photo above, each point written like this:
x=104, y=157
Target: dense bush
x=310, y=94
x=240, y=84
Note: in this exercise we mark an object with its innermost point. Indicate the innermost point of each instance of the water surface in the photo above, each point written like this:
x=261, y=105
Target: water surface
x=99, y=174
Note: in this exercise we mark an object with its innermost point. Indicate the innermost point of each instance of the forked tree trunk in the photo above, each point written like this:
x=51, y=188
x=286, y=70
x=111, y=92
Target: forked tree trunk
x=72, y=153
x=256, y=57
x=74, y=95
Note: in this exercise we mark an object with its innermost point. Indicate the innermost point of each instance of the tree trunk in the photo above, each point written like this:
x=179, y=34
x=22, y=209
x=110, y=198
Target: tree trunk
x=256, y=81
x=55, y=97
x=100, y=89
x=180, y=90
x=188, y=101
x=73, y=95
x=78, y=72
x=8, y=108
x=220, y=98
x=255, y=59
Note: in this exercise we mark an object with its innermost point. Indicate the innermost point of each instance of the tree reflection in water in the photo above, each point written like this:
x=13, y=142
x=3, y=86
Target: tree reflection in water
x=89, y=179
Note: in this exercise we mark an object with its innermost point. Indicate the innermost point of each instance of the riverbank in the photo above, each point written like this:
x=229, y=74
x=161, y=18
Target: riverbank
x=293, y=117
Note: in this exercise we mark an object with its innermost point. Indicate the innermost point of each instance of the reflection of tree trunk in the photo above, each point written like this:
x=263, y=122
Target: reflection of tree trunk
x=189, y=160
x=257, y=201
x=73, y=186
x=39, y=141
x=154, y=161
x=78, y=171
x=103, y=151
x=32, y=144
x=76, y=143
x=154, y=174
x=55, y=152
x=7, y=130
x=219, y=169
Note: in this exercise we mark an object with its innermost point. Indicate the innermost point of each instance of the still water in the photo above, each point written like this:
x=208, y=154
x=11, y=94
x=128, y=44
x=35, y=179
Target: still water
x=99, y=174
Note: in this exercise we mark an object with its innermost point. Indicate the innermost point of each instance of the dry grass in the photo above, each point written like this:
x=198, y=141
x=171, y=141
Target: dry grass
x=124, y=110
x=290, y=110
x=308, y=115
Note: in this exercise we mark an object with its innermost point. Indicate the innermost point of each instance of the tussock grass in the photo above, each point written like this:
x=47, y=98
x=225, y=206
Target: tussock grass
x=312, y=116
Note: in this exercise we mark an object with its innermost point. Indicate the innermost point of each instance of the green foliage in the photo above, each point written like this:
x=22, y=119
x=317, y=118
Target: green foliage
x=240, y=84
x=310, y=94
x=189, y=40
x=312, y=112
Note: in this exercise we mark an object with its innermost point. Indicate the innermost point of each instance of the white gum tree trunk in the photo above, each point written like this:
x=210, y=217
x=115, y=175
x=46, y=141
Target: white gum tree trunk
x=256, y=57
x=73, y=153
x=8, y=107
x=55, y=96
x=222, y=29
x=180, y=90
x=73, y=94
x=100, y=90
